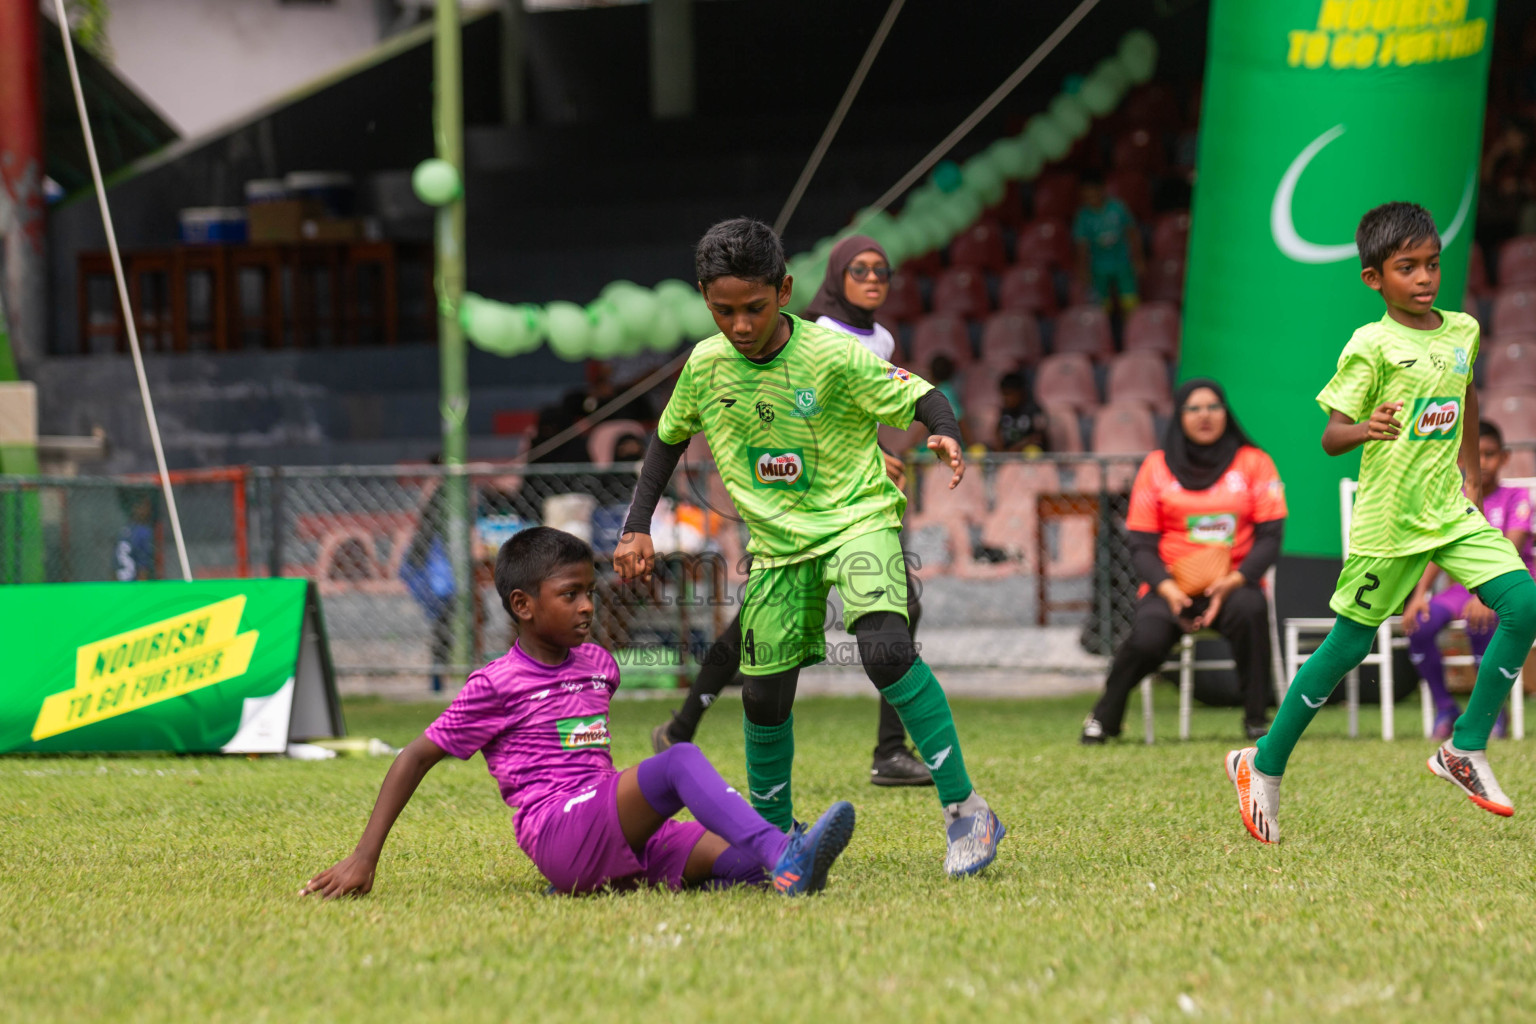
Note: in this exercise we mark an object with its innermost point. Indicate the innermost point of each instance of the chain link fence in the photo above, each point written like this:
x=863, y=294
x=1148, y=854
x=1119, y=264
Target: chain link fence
x=1022, y=542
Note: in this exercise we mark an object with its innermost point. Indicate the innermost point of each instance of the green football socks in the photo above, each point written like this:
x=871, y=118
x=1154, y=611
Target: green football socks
x=770, y=758
x=919, y=700
x=1345, y=647
x=1512, y=597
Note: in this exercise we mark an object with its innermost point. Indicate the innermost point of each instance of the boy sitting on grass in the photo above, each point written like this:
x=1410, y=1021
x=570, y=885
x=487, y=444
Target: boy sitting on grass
x=540, y=716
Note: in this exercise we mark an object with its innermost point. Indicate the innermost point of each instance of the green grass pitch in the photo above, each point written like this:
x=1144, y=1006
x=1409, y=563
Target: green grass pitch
x=164, y=889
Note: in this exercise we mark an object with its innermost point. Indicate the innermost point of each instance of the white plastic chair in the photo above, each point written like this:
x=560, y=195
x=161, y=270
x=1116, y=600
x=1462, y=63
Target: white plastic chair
x=1381, y=655
x=1187, y=666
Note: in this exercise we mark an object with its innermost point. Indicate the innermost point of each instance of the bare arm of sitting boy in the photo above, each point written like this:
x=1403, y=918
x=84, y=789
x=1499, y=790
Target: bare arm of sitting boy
x=354, y=874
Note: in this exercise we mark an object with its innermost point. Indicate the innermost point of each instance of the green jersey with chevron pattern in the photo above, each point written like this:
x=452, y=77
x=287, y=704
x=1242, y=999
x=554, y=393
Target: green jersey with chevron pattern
x=794, y=438
x=1410, y=497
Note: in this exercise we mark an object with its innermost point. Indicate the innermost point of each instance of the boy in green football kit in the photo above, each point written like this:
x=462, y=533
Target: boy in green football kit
x=1404, y=390
x=790, y=411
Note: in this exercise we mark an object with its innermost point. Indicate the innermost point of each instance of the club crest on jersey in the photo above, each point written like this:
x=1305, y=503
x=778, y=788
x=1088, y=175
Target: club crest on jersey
x=1461, y=360
x=805, y=403
x=1434, y=419
x=780, y=469
x=1212, y=529
x=579, y=733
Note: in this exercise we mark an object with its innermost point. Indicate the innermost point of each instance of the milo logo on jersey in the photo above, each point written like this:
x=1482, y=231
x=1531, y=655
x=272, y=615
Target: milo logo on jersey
x=1434, y=419
x=1212, y=529
x=779, y=469
x=579, y=733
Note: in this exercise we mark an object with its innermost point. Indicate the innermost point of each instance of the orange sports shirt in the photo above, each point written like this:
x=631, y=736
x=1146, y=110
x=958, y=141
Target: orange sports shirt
x=1188, y=522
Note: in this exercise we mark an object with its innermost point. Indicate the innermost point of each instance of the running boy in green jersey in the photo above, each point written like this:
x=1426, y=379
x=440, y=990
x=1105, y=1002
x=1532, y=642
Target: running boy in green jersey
x=1403, y=389
x=790, y=411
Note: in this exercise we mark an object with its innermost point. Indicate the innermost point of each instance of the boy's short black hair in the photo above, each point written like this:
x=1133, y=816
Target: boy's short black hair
x=743, y=248
x=532, y=556
x=1011, y=382
x=1390, y=228
x=1487, y=428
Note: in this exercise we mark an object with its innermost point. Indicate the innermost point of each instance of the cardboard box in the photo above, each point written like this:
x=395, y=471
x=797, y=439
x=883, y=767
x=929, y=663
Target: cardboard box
x=282, y=220
x=332, y=230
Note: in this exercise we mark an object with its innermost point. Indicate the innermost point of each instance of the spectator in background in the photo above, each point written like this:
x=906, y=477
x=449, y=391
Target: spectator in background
x=601, y=390
x=1020, y=423
x=427, y=573
x=134, y=554
x=1109, y=249
x=1509, y=510
x=1206, y=520
x=941, y=374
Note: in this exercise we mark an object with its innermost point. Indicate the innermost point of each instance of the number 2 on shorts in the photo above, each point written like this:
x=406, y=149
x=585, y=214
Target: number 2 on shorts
x=1366, y=589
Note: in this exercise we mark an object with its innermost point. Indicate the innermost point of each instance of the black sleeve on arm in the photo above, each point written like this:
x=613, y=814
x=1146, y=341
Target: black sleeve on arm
x=660, y=460
x=1144, y=558
x=934, y=412
x=1265, y=551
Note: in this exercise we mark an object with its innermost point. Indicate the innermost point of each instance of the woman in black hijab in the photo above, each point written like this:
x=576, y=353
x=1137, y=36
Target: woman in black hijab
x=1206, y=519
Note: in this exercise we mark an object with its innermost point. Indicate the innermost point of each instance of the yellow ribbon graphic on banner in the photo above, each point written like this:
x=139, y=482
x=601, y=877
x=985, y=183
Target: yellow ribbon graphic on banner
x=149, y=664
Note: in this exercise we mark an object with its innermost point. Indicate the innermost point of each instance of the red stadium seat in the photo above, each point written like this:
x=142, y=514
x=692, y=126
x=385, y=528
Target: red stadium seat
x=939, y=333
x=1010, y=340
x=1027, y=288
x=1009, y=209
x=1170, y=238
x=979, y=247
x=982, y=401
x=1124, y=428
x=1517, y=261
x=1056, y=196
x=1139, y=150
x=1512, y=362
x=1514, y=311
x=904, y=303
x=1153, y=327
x=1062, y=431
x=1133, y=189
x=1153, y=106
x=1164, y=281
x=1066, y=379
x=1084, y=329
x=1045, y=240
x=1140, y=377
x=962, y=291
x=1514, y=414
x=1012, y=524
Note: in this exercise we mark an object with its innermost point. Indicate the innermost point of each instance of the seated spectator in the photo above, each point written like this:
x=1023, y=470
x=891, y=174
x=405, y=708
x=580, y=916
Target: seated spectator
x=1509, y=510
x=1109, y=249
x=941, y=374
x=1020, y=423
x=1206, y=519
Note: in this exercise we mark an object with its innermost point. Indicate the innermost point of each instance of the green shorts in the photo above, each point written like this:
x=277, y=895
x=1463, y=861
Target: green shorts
x=1372, y=590
x=784, y=607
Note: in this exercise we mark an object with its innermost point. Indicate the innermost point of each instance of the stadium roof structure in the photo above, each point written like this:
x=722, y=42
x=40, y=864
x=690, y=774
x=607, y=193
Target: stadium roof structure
x=127, y=127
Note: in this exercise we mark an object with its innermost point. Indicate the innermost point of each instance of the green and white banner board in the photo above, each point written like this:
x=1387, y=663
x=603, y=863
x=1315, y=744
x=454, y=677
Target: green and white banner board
x=238, y=666
x=1314, y=111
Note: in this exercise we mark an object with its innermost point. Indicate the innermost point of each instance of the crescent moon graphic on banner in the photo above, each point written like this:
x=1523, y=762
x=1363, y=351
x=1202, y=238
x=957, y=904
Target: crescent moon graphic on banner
x=1283, y=227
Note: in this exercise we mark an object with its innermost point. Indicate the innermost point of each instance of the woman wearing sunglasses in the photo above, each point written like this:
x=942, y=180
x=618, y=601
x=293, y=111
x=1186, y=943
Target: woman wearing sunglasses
x=857, y=283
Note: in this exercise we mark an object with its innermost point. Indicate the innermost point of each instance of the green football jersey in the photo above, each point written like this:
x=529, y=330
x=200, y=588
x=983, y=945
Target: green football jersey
x=793, y=439
x=1410, y=497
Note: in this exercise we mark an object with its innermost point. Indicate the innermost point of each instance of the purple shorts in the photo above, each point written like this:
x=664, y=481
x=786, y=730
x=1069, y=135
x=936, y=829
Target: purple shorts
x=577, y=844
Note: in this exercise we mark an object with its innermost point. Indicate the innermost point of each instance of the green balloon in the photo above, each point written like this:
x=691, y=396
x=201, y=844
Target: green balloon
x=688, y=308
x=436, y=182
x=959, y=213
x=1138, y=55
x=1113, y=72
x=1053, y=142
x=897, y=241
x=1070, y=115
x=637, y=309
x=470, y=305
x=570, y=332
x=871, y=223
x=1098, y=95
x=983, y=177
x=946, y=176
x=503, y=329
x=665, y=330
x=1031, y=158
x=925, y=231
x=607, y=329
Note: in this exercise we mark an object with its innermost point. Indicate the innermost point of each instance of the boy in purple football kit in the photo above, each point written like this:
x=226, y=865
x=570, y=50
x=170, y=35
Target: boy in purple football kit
x=1507, y=509
x=540, y=716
